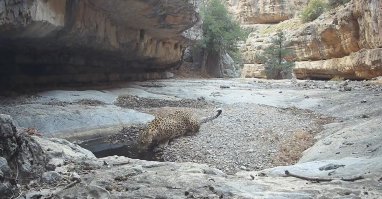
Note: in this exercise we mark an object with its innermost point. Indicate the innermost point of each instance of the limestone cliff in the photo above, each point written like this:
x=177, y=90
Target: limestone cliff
x=343, y=42
x=264, y=11
x=80, y=41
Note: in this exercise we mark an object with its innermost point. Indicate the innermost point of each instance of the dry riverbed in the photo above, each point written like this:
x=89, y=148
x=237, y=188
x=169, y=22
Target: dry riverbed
x=264, y=124
x=246, y=137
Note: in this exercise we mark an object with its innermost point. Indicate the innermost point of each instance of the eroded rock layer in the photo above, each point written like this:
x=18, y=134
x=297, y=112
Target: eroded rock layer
x=361, y=65
x=343, y=42
x=264, y=11
x=346, y=43
x=82, y=41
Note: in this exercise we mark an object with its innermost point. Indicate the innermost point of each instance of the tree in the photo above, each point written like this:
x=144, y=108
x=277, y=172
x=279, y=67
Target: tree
x=220, y=33
x=274, y=58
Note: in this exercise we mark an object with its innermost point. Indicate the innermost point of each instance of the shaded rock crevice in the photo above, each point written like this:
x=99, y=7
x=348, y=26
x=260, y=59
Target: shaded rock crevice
x=81, y=41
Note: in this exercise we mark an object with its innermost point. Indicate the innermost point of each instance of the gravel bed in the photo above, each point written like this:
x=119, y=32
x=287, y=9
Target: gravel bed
x=245, y=137
x=130, y=101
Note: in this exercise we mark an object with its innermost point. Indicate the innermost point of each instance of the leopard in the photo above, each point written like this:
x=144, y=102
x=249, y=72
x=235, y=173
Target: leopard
x=163, y=129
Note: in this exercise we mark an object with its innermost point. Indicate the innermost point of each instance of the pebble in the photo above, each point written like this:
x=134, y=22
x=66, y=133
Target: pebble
x=327, y=142
x=75, y=176
x=51, y=177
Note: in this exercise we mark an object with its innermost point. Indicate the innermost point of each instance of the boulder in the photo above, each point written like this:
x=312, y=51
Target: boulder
x=253, y=71
x=19, y=156
x=228, y=66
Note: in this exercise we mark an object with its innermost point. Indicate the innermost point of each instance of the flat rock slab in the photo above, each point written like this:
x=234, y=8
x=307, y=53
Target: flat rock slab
x=239, y=91
x=336, y=169
x=122, y=177
x=66, y=121
x=73, y=113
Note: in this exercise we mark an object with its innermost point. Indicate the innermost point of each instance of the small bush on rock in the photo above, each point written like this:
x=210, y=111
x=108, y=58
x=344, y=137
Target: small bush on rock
x=335, y=3
x=314, y=9
x=274, y=59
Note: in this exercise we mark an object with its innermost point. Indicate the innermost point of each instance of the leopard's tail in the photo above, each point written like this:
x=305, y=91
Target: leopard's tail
x=210, y=118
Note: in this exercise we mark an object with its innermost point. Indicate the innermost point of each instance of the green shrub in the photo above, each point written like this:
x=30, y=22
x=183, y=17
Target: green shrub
x=220, y=31
x=274, y=59
x=314, y=9
x=335, y=3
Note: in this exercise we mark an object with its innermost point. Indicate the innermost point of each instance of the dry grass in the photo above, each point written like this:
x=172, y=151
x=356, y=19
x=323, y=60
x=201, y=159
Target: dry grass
x=337, y=78
x=291, y=149
x=287, y=25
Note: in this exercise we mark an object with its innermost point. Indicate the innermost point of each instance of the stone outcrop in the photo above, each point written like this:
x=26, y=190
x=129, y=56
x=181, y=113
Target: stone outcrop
x=21, y=157
x=253, y=70
x=369, y=16
x=75, y=173
x=334, y=35
x=88, y=41
x=220, y=65
x=264, y=11
x=343, y=42
x=364, y=64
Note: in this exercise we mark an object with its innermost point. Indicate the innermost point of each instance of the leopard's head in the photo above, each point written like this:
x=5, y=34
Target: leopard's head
x=146, y=138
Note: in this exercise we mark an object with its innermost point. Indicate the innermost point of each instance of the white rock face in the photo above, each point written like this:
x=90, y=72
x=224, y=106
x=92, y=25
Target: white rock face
x=52, y=11
x=264, y=11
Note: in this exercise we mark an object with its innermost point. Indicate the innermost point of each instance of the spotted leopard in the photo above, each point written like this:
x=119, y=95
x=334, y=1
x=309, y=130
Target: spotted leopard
x=165, y=128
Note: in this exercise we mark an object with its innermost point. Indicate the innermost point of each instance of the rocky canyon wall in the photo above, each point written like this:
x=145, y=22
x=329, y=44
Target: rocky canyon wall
x=346, y=42
x=47, y=42
x=343, y=42
x=264, y=11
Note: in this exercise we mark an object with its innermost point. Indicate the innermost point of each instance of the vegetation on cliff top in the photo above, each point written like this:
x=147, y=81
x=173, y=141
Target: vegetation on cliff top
x=316, y=7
